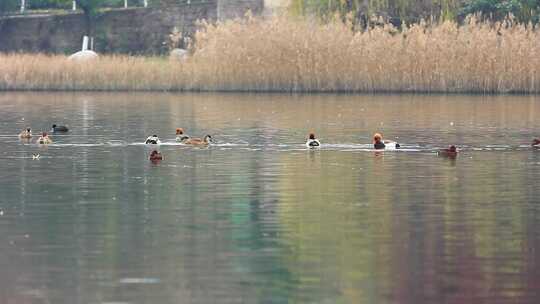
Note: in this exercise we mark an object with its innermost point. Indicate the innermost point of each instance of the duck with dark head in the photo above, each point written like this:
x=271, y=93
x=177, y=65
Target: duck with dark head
x=26, y=133
x=536, y=143
x=152, y=140
x=59, y=129
x=200, y=142
x=312, y=142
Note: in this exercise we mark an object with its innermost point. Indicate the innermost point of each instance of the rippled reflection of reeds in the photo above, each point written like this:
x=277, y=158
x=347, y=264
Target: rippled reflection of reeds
x=285, y=54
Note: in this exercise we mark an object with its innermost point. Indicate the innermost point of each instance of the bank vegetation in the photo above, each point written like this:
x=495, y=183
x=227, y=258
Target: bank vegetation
x=285, y=54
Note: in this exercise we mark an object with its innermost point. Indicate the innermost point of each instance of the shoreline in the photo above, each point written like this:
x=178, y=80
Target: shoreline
x=277, y=92
x=289, y=56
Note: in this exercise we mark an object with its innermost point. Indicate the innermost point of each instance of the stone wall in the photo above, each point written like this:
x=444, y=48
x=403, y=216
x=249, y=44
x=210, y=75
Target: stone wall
x=133, y=30
x=230, y=9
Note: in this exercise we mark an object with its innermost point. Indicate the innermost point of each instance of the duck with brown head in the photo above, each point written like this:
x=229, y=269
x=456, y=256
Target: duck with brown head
x=156, y=156
x=44, y=139
x=380, y=144
x=312, y=142
x=180, y=136
x=450, y=152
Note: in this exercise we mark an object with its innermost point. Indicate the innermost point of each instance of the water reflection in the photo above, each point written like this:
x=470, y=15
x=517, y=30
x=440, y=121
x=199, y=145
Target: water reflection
x=258, y=218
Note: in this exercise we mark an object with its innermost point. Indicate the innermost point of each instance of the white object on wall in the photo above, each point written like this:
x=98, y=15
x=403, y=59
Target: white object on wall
x=85, y=43
x=85, y=54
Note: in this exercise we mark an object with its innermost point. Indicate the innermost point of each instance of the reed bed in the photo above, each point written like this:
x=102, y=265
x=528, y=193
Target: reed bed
x=283, y=54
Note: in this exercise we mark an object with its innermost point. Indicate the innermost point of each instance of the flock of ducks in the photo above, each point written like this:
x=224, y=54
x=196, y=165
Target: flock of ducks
x=182, y=138
x=312, y=142
x=44, y=139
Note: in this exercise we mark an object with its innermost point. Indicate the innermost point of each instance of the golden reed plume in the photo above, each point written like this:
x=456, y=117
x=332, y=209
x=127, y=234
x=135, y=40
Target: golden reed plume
x=285, y=54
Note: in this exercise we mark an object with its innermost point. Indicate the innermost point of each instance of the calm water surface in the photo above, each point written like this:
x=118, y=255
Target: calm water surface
x=257, y=218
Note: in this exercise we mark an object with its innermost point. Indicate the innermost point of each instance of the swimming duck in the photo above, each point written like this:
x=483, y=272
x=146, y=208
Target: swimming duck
x=536, y=143
x=312, y=142
x=56, y=129
x=26, y=134
x=379, y=143
x=156, y=156
x=199, y=142
x=152, y=140
x=451, y=152
x=180, y=136
x=44, y=139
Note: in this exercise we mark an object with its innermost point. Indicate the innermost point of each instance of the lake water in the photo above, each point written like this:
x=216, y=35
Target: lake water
x=257, y=217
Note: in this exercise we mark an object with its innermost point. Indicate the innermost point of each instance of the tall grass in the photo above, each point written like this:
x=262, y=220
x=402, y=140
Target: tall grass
x=296, y=55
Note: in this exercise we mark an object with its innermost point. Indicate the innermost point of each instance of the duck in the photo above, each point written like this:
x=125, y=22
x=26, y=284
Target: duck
x=379, y=143
x=312, y=142
x=156, y=156
x=451, y=152
x=59, y=129
x=152, y=140
x=26, y=133
x=536, y=143
x=44, y=139
x=180, y=136
x=200, y=142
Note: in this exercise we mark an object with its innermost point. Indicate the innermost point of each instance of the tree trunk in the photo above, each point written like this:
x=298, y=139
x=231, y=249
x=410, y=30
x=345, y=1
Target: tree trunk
x=88, y=16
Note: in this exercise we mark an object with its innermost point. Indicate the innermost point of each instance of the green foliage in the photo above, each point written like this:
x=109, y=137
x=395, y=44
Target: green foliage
x=496, y=8
x=47, y=4
x=325, y=7
x=8, y=6
x=397, y=9
x=523, y=10
x=89, y=7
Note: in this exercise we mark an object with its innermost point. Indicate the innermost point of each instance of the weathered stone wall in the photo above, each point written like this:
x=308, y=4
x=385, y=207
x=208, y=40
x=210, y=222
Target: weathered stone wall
x=230, y=9
x=134, y=30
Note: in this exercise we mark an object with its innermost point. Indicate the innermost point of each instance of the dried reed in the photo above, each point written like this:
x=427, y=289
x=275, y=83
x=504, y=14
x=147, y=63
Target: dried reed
x=296, y=55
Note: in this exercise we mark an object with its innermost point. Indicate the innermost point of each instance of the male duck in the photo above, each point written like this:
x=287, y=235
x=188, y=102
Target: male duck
x=26, y=133
x=448, y=152
x=200, y=142
x=59, y=129
x=152, y=140
x=379, y=143
x=536, y=143
x=44, y=139
x=312, y=142
x=180, y=136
